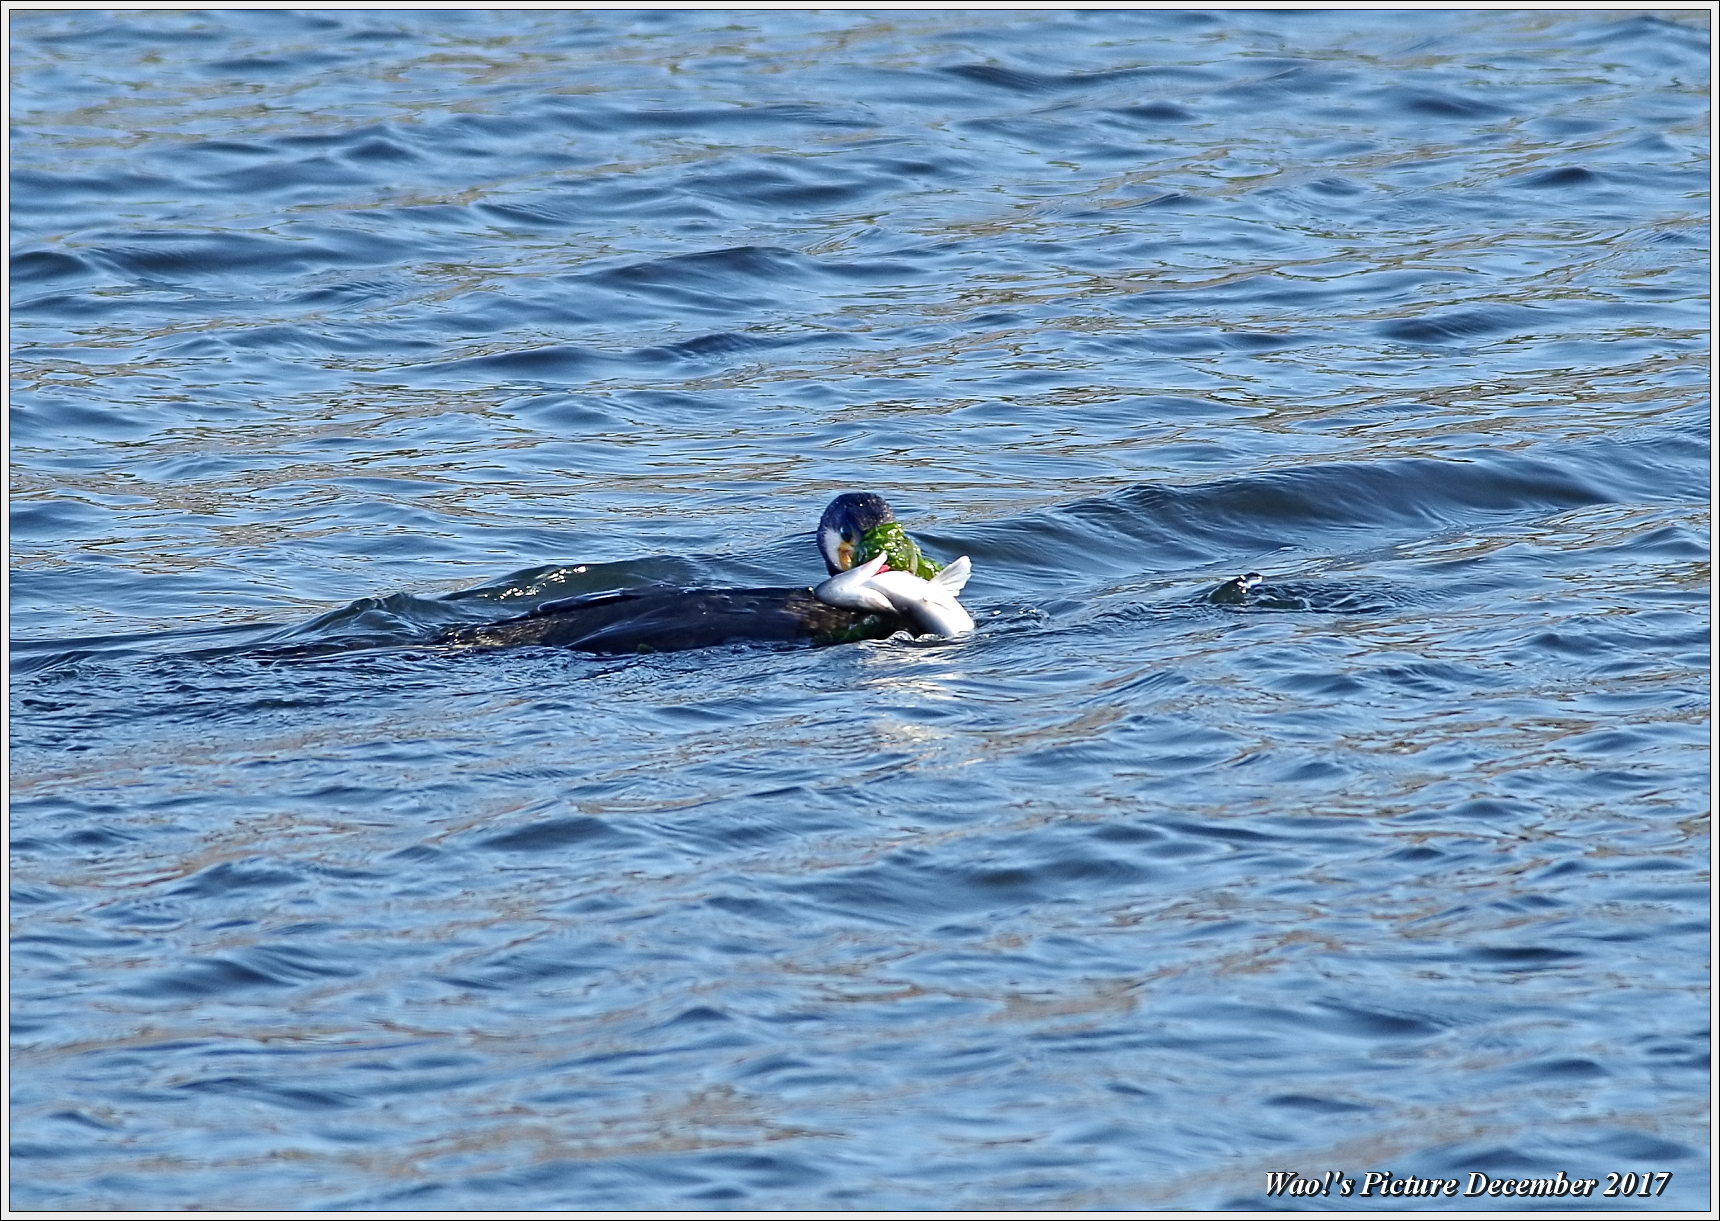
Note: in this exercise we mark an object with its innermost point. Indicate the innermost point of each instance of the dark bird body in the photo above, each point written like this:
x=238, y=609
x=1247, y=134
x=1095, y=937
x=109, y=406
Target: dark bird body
x=665, y=618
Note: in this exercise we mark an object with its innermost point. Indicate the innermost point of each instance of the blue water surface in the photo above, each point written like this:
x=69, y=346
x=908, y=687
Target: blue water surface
x=334, y=329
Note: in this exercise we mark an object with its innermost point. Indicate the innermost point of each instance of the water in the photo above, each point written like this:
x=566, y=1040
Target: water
x=337, y=329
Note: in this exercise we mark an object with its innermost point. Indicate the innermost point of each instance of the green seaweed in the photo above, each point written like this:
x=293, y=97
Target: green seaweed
x=905, y=554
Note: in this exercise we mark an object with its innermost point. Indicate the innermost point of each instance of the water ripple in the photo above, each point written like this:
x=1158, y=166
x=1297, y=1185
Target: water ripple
x=337, y=331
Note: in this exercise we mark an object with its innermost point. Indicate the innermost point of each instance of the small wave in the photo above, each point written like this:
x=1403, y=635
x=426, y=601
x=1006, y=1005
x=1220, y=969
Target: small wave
x=1155, y=112
x=713, y=267
x=1438, y=104
x=1559, y=178
x=1329, y=508
x=178, y=254
x=1018, y=80
x=562, y=360
x=1464, y=325
x=44, y=266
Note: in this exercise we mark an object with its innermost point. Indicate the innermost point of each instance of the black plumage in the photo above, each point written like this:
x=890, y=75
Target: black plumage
x=666, y=618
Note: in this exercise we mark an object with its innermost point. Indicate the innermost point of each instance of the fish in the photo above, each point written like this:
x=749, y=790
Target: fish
x=930, y=605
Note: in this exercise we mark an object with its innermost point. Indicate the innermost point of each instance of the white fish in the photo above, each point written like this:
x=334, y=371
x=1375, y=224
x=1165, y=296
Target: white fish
x=930, y=606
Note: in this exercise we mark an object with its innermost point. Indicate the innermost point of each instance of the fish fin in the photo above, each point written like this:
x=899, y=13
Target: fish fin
x=871, y=568
x=850, y=590
x=954, y=576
